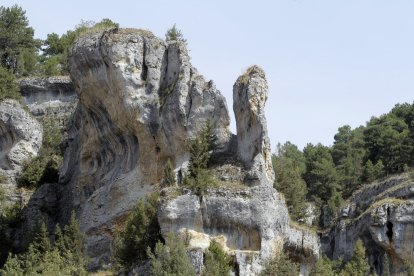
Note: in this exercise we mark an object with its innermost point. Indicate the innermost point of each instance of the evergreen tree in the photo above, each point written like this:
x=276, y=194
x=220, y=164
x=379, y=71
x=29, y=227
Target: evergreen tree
x=41, y=242
x=170, y=258
x=289, y=165
x=141, y=232
x=174, y=34
x=323, y=267
x=169, y=175
x=216, y=261
x=280, y=265
x=16, y=40
x=8, y=85
x=358, y=264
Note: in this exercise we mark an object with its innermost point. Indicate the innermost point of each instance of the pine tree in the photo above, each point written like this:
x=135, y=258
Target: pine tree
x=170, y=258
x=41, y=242
x=216, y=261
x=141, y=232
x=169, y=175
x=369, y=172
x=174, y=34
x=358, y=265
x=280, y=265
x=323, y=267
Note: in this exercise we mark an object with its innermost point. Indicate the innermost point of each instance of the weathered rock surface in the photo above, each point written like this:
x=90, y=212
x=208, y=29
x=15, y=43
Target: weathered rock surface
x=53, y=97
x=252, y=223
x=20, y=140
x=382, y=215
x=249, y=99
x=140, y=100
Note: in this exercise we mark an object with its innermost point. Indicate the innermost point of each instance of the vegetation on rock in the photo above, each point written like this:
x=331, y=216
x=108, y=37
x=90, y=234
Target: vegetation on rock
x=170, y=258
x=65, y=256
x=201, y=148
x=280, y=265
x=141, y=232
x=45, y=167
x=217, y=262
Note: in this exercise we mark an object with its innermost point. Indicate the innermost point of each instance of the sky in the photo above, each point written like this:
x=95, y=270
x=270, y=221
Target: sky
x=328, y=62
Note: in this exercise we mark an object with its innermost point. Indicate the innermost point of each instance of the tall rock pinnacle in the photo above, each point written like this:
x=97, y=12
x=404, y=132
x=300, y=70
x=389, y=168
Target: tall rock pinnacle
x=249, y=98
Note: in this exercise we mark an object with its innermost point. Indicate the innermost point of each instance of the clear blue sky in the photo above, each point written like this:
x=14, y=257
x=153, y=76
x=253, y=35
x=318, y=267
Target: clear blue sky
x=328, y=62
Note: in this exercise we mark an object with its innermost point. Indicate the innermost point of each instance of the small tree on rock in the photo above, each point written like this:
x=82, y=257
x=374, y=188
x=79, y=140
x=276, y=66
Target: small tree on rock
x=174, y=34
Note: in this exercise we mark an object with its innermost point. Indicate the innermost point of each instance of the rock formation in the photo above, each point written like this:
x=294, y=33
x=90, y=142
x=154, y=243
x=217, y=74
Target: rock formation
x=249, y=98
x=52, y=96
x=382, y=215
x=20, y=139
x=140, y=100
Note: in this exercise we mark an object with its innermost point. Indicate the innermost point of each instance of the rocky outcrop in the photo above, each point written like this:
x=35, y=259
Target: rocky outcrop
x=244, y=219
x=382, y=215
x=54, y=97
x=140, y=100
x=249, y=98
x=251, y=220
x=20, y=140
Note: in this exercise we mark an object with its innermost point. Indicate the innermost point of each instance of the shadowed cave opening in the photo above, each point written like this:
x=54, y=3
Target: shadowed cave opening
x=389, y=230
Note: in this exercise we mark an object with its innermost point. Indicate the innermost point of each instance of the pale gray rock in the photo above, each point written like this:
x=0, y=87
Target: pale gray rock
x=140, y=101
x=249, y=99
x=20, y=140
x=382, y=216
x=51, y=97
x=251, y=221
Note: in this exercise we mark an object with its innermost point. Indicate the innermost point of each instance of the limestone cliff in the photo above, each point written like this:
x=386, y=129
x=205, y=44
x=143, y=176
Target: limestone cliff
x=51, y=96
x=140, y=101
x=20, y=140
x=382, y=215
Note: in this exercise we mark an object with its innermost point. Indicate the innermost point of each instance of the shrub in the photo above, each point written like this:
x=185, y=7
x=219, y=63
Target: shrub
x=45, y=167
x=174, y=34
x=141, y=232
x=8, y=86
x=216, y=261
x=280, y=265
x=169, y=175
x=201, y=147
x=65, y=257
x=170, y=258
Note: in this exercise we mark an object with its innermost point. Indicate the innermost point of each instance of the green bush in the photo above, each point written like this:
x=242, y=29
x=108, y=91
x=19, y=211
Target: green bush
x=65, y=257
x=217, y=262
x=280, y=265
x=8, y=85
x=141, y=232
x=169, y=175
x=201, y=148
x=45, y=167
x=170, y=258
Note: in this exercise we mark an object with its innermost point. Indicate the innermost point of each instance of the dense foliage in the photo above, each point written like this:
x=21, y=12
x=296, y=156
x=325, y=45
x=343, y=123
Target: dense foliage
x=10, y=217
x=174, y=34
x=201, y=148
x=281, y=265
x=170, y=258
x=361, y=155
x=45, y=167
x=141, y=232
x=217, y=262
x=64, y=256
x=8, y=86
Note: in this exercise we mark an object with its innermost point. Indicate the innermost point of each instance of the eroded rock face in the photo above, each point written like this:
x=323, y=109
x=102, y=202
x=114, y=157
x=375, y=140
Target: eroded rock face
x=250, y=221
x=20, y=140
x=140, y=100
x=53, y=97
x=249, y=99
x=382, y=216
